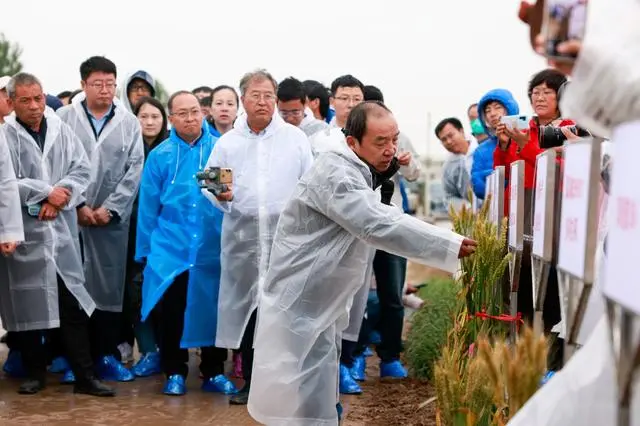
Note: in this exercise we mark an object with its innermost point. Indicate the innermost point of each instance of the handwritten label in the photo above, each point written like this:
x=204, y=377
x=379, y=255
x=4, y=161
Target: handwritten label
x=575, y=207
x=621, y=283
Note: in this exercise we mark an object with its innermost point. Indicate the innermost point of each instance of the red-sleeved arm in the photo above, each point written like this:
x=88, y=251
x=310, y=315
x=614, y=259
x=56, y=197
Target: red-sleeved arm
x=504, y=158
x=530, y=151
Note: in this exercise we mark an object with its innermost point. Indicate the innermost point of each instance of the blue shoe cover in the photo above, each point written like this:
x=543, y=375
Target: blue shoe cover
x=348, y=385
x=147, y=365
x=59, y=365
x=358, y=369
x=175, y=386
x=393, y=369
x=219, y=384
x=109, y=368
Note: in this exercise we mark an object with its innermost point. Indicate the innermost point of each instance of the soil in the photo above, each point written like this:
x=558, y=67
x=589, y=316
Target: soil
x=391, y=402
x=394, y=402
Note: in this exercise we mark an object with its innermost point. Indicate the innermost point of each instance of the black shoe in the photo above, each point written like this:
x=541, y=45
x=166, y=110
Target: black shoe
x=242, y=397
x=93, y=387
x=31, y=387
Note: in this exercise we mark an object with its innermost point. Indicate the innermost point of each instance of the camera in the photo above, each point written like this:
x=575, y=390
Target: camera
x=551, y=136
x=215, y=179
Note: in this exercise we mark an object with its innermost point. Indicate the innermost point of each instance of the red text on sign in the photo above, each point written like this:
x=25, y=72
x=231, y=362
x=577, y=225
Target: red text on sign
x=627, y=213
x=573, y=187
x=571, y=229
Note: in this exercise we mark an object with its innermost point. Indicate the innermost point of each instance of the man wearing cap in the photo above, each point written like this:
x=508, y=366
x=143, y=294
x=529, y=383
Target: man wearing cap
x=5, y=107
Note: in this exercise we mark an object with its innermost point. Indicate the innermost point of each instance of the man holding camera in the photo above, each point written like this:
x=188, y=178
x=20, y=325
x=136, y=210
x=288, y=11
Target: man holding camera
x=267, y=157
x=178, y=237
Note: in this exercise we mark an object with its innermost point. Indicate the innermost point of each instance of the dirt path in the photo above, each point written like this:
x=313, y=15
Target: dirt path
x=390, y=402
x=394, y=402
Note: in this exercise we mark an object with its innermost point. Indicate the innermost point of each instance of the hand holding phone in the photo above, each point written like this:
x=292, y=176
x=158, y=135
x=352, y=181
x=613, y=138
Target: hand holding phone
x=563, y=29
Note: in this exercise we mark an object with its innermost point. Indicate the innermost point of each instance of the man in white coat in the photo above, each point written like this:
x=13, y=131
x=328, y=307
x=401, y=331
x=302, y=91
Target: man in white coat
x=320, y=253
x=267, y=157
x=112, y=139
x=11, y=230
x=42, y=282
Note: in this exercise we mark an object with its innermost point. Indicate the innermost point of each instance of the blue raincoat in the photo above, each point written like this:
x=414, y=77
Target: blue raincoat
x=482, y=165
x=179, y=230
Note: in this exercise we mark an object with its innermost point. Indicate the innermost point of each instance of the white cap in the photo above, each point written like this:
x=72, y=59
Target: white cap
x=4, y=80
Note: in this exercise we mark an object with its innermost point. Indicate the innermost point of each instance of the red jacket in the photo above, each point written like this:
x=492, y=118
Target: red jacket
x=528, y=153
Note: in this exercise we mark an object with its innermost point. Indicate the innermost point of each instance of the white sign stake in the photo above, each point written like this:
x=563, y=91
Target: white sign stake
x=543, y=227
x=578, y=232
x=515, y=235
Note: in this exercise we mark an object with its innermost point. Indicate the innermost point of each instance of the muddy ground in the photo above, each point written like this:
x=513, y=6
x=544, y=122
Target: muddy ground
x=394, y=402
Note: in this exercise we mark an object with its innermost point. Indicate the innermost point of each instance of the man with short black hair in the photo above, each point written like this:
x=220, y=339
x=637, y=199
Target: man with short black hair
x=318, y=100
x=457, y=168
x=112, y=138
x=346, y=92
x=202, y=92
x=292, y=106
x=315, y=270
x=178, y=240
x=42, y=285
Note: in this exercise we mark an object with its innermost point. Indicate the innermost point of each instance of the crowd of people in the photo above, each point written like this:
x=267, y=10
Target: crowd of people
x=494, y=143
x=111, y=238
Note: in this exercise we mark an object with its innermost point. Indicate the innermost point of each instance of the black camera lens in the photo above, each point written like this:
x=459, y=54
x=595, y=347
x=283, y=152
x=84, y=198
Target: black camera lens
x=552, y=137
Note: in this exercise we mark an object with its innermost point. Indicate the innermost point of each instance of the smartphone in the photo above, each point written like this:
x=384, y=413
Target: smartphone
x=563, y=20
x=520, y=122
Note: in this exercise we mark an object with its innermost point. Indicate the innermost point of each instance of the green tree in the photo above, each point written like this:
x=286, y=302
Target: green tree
x=9, y=57
x=161, y=92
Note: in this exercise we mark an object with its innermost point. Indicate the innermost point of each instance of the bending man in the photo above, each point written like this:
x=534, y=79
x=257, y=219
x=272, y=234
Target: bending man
x=324, y=239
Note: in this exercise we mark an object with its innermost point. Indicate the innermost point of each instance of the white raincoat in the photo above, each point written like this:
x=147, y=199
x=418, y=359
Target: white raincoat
x=117, y=158
x=321, y=248
x=11, y=229
x=29, y=285
x=311, y=125
x=456, y=177
x=266, y=168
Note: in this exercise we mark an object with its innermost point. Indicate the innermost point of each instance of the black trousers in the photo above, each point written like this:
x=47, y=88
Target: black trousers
x=170, y=313
x=105, y=333
x=74, y=335
x=246, y=348
x=390, y=271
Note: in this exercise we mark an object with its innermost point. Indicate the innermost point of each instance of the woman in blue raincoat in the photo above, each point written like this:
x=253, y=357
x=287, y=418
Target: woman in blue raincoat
x=178, y=236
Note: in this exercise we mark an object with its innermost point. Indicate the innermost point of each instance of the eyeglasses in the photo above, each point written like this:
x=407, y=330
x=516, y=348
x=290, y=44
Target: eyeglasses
x=545, y=94
x=268, y=97
x=350, y=99
x=292, y=113
x=183, y=115
x=109, y=85
x=139, y=88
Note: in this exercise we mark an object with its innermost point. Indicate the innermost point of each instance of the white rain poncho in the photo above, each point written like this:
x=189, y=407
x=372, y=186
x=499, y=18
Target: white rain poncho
x=116, y=158
x=266, y=168
x=321, y=248
x=29, y=290
x=11, y=229
x=311, y=125
x=456, y=177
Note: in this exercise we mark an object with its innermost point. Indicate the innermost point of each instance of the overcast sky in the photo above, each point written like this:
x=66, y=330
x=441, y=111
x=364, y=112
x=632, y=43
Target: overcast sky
x=432, y=57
